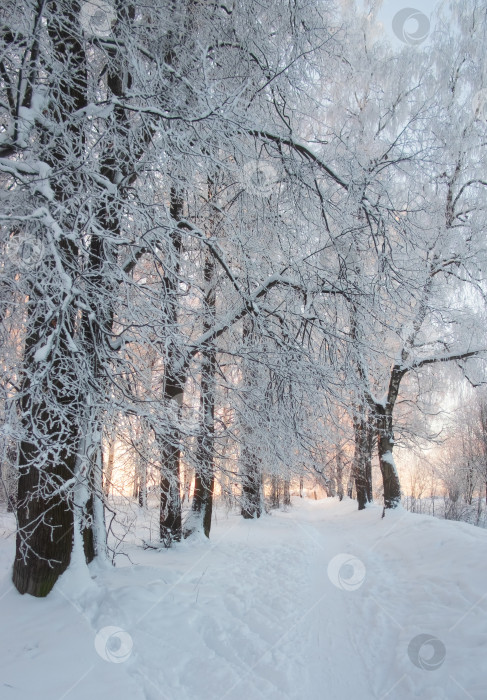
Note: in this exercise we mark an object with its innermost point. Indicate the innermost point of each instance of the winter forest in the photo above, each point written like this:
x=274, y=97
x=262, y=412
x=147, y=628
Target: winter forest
x=243, y=380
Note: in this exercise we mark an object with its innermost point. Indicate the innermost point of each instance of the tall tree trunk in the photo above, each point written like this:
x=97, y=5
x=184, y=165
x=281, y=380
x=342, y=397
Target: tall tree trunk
x=385, y=442
x=368, y=460
x=202, y=505
x=350, y=486
x=97, y=322
x=140, y=467
x=251, y=485
x=339, y=473
x=118, y=167
x=383, y=415
x=170, y=517
x=286, y=493
x=275, y=491
x=50, y=406
x=362, y=460
x=251, y=472
x=110, y=461
x=142, y=494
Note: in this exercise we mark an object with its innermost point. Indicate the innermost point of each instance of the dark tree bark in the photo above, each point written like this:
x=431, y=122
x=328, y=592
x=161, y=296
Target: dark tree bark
x=82, y=443
x=251, y=486
x=383, y=414
x=385, y=441
x=339, y=472
x=142, y=495
x=170, y=518
x=202, y=505
x=275, y=491
x=251, y=472
x=368, y=462
x=50, y=406
x=286, y=493
x=350, y=487
x=117, y=167
x=362, y=460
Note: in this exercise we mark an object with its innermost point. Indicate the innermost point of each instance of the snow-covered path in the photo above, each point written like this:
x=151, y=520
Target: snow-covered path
x=319, y=603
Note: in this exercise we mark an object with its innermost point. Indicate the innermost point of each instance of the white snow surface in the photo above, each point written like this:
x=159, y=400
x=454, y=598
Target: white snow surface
x=318, y=603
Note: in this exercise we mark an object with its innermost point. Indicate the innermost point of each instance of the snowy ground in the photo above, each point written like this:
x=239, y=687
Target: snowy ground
x=319, y=603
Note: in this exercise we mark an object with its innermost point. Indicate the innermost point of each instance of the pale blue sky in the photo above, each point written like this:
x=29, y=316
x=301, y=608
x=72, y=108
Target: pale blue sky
x=391, y=7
